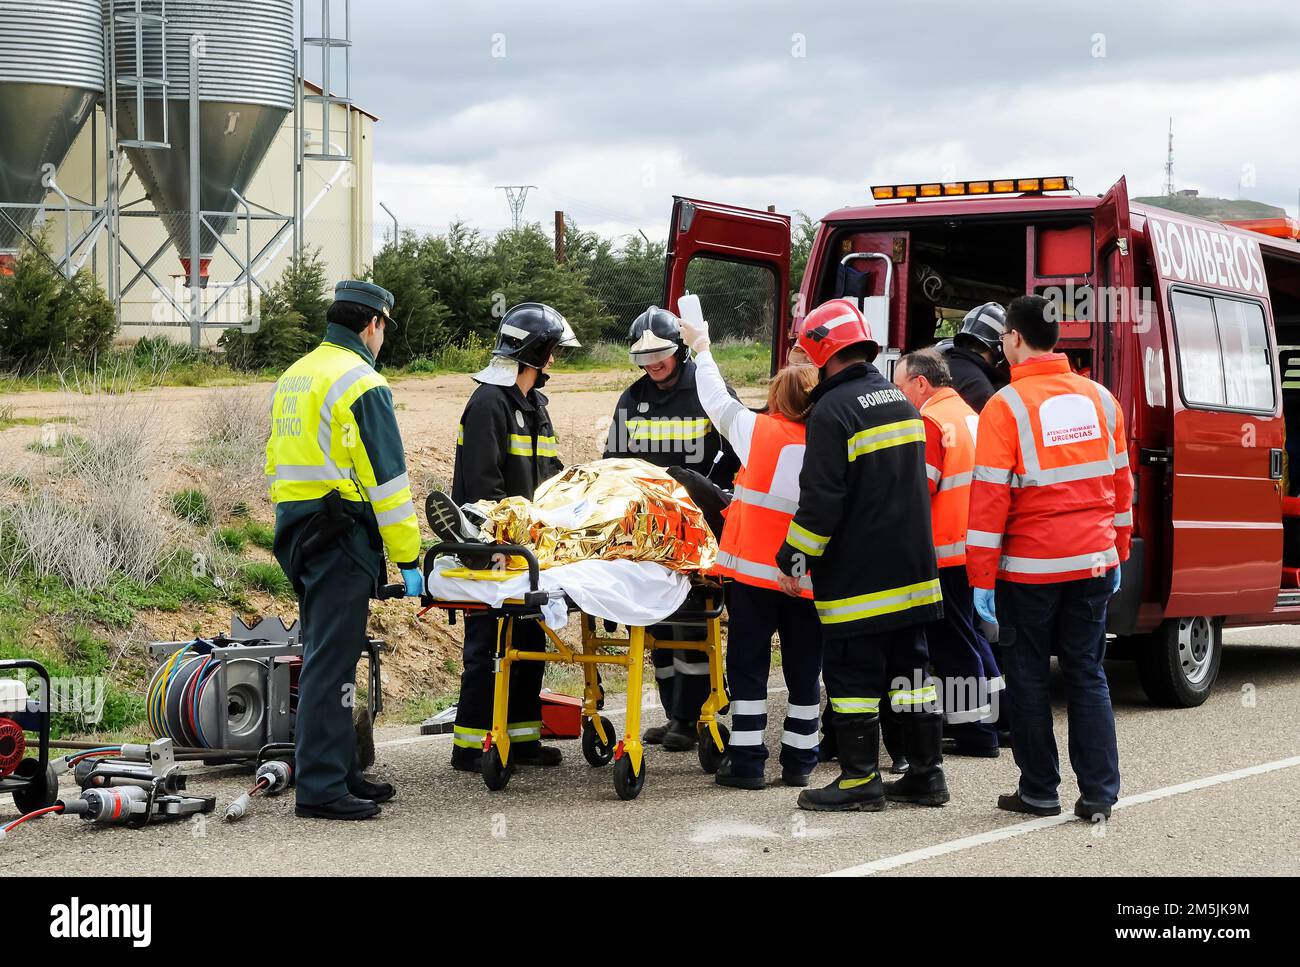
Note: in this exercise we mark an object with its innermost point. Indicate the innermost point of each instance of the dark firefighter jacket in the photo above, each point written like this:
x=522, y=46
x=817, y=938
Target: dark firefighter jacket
x=974, y=380
x=505, y=445
x=862, y=531
x=669, y=428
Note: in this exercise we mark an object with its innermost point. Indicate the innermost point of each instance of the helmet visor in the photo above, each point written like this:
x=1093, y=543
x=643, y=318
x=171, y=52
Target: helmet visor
x=650, y=349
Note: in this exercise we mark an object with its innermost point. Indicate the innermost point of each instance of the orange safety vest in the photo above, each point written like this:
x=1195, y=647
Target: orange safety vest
x=949, y=463
x=1052, y=497
x=764, y=503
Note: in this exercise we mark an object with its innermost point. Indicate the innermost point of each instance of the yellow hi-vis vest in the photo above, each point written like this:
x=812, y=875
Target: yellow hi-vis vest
x=316, y=445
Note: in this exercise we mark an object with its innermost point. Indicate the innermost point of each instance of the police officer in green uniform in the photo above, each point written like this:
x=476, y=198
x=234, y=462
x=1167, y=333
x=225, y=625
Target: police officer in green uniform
x=342, y=498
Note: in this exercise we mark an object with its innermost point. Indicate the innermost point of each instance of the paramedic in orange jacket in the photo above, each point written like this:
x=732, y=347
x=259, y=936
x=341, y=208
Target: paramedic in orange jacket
x=1050, y=519
x=770, y=446
x=961, y=656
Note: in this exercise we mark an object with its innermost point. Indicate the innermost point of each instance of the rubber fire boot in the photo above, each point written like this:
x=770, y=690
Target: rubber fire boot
x=535, y=754
x=654, y=735
x=891, y=731
x=924, y=783
x=680, y=737
x=859, y=787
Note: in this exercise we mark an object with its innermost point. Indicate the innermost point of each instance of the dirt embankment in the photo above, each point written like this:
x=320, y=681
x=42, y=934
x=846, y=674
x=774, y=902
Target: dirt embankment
x=425, y=653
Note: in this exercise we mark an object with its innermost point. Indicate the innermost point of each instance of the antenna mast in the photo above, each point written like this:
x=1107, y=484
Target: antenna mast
x=1169, y=162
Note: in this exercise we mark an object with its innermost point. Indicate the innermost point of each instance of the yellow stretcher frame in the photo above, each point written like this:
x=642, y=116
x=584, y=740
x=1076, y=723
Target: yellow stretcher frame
x=598, y=737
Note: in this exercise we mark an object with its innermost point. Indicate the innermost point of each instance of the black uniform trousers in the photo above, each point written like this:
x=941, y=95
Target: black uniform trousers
x=755, y=615
x=478, y=684
x=681, y=676
x=962, y=659
x=863, y=672
x=334, y=593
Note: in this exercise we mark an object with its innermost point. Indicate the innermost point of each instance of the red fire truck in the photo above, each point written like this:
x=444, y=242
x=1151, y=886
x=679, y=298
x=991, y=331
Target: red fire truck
x=1193, y=324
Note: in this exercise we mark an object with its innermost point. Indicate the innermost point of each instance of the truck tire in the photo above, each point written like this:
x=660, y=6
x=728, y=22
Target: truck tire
x=1179, y=662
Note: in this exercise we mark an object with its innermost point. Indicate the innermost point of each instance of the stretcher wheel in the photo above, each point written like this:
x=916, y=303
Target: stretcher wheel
x=40, y=790
x=496, y=774
x=595, y=751
x=627, y=783
x=710, y=754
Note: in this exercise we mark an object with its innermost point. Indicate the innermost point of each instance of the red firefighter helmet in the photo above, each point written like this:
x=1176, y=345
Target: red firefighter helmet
x=833, y=326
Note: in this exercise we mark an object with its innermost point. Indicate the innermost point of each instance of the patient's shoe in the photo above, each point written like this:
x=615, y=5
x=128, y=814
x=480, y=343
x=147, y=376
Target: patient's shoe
x=450, y=525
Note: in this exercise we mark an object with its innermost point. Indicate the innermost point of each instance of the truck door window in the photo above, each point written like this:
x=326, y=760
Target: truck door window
x=738, y=299
x=1247, y=363
x=1224, y=361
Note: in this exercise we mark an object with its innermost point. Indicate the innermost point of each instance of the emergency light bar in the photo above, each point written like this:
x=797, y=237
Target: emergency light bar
x=949, y=189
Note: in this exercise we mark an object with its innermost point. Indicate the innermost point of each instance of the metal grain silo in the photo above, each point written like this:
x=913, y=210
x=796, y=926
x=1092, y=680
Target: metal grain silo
x=246, y=89
x=51, y=74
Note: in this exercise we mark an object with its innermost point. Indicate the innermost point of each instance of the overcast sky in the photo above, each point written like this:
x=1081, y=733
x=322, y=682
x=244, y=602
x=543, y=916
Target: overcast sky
x=611, y=108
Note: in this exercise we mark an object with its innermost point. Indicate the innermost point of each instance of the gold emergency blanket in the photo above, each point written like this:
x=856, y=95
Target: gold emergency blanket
x=606, y=509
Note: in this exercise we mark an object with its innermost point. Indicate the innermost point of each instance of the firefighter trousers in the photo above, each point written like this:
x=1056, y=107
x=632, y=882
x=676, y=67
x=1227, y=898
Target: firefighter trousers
x=478, y=684
x=755, y=614
x=863, y=672
x=681, y=676
x=963, y=662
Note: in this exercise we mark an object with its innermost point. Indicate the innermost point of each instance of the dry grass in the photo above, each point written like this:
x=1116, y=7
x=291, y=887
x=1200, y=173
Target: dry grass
x=97, y=518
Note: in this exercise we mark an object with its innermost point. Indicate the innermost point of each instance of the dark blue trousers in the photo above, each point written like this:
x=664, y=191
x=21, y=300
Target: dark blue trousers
x=1069, y=618
x=962, y=659
x=754, y=616
x=333, y=607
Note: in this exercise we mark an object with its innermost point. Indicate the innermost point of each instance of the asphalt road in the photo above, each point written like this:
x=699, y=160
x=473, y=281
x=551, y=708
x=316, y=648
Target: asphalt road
x=1207, y=791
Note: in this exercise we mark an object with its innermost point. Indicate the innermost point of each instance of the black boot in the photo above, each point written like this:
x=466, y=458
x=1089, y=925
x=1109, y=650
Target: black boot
x=859, y=787
x=680, y=737
x=376, y=792
x=924, y=783
x=346, y=806
x=535, y=754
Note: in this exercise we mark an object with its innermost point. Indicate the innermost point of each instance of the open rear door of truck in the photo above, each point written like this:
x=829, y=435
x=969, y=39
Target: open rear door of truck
x=709, y=230
x=1225, y=545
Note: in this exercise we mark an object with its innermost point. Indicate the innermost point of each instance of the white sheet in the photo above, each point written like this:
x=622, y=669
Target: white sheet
x=629, y=592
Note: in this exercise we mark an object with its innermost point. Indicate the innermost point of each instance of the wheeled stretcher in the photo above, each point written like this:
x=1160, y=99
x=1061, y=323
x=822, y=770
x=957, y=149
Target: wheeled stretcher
x=454, y=589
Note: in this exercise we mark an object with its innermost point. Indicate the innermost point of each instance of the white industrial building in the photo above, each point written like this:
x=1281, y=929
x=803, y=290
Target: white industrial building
x=55, y=75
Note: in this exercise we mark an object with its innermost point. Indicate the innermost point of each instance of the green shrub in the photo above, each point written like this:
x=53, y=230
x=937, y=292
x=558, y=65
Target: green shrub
x=292, y=319
x=48, y=321
x=193, y=506
x=230, y=539
x=266, y=577
x=260, y=534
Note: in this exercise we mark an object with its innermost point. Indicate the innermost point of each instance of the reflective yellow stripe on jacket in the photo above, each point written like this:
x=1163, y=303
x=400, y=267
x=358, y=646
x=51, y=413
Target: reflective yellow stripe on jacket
x=316, y=446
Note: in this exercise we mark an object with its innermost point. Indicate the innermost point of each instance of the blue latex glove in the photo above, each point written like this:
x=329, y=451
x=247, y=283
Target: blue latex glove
x=413, y=578
x=985, y=606
x=1115, y=580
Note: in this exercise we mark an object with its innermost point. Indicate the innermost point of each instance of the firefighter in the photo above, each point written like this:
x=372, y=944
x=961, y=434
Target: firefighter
x=862, y=535
x=342, y=498
x=1050, y=520
x=960, y=655
x=976, y=353
x=659, y=419
x=770, y=447
x=505, y=447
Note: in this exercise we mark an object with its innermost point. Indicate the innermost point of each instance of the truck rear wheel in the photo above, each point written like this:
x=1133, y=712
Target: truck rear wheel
x=1179, y=662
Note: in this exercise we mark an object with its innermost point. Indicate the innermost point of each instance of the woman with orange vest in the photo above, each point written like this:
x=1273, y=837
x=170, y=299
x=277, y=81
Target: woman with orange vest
x=770, y=446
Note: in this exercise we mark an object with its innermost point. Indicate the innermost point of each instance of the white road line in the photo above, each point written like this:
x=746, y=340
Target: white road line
x=1046, y=822
x=650, y=703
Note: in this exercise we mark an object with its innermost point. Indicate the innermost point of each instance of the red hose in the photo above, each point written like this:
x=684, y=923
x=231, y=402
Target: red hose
x=56, y=808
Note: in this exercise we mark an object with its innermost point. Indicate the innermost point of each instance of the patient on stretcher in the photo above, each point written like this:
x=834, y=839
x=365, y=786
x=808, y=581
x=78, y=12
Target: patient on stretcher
x=616, y=509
